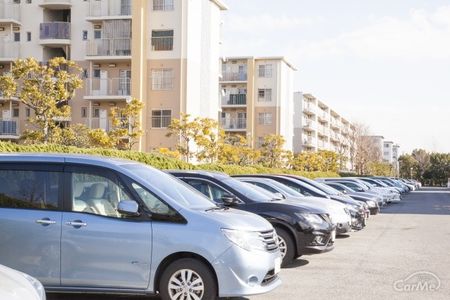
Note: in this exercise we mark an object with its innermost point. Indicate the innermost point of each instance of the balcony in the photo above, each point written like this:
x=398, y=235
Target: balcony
x=234, y=100
x=334, y=123
x=234, y=77
x=309, y=109
x=323, y=116
x=323, y=131
x=56, y=4
x=9, y=51
x=110, y=89
x=109, y=49
x=309, y=142
x=234, y=124
x=54, y=34
x=323, y=144
x=334, y=137
x=9, y=13
x=309, y=125
x=109, y=9
x=9, y=129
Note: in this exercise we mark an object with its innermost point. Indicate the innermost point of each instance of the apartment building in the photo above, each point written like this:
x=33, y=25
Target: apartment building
x=391, y=152
x=317, y=126
x=163, y=52
x=257, y=98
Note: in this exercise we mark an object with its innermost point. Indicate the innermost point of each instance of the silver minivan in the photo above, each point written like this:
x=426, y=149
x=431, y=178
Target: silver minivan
x=90, y=224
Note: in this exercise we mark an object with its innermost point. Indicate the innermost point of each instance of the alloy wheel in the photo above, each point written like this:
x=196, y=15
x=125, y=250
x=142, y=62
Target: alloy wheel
x=282, y=246
x=186, y=284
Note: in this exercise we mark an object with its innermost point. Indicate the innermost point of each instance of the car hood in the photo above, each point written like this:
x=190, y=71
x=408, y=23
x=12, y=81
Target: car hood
x=14, y=286
x=231, y=218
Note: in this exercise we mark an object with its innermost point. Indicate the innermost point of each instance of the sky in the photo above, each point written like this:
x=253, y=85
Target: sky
x=384, y=63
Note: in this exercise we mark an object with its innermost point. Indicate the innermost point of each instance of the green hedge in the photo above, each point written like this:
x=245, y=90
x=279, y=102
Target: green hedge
x=156, y=160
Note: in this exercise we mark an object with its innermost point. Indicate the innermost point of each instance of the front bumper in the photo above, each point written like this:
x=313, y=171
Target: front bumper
x=374, y=210
x=244, y=273
x=343, y=228
x=359, y=221
x=317, y=241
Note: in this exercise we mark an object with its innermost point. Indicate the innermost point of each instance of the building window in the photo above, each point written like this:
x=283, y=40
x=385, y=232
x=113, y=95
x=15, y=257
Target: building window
x=84, y=112
x=265, y=71
x=28, y=36
x=264, y=95
x=161, y=118
x=96, y=113
x=97, y=34
x=265, y=118
x=260, y=141
x=16, y=36
x=163, y=5
x=15, y=113
x=28, y=112
x=96, y=73
x=162, y=79
x=85, y=35
x=162, y=40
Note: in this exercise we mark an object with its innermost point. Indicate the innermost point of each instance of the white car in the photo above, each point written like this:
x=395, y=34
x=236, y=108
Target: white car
x=15, y=285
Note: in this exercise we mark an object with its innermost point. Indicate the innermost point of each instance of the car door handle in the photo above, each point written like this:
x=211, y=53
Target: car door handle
x=45, y=222
x=76, y=224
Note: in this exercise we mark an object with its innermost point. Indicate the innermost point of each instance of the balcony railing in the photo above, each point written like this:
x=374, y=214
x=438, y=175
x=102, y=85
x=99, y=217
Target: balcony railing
x=323, y=130
x=9, y=11
x=108, y=87
x=109, y=8
x=309, y=141
x=234, y=76
x=234, y=99
x=309, y=124
x=309, y=109
x=9, y=127
x=9, y=50
x=109, y=47
x=54, y=31
x=233, y=123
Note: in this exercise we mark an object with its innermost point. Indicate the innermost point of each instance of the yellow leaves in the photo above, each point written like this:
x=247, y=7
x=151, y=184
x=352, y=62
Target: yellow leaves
x=323, y=161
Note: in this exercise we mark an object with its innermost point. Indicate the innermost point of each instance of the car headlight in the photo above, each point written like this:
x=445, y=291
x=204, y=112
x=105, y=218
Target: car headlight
x=247, y=240
x=36, y=285
x=371, y=203
x=312, y=219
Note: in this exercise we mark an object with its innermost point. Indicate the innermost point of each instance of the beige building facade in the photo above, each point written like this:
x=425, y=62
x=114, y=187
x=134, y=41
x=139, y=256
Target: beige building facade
x=163, y=52
x=257, y=98
x=317, y=126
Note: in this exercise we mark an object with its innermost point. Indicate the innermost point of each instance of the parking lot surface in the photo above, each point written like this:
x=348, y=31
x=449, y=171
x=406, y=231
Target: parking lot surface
x=403, y=253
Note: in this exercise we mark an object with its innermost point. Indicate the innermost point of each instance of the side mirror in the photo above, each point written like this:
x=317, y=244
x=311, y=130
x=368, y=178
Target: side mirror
x=279, y=195
x=229, y=200
x=128, y=208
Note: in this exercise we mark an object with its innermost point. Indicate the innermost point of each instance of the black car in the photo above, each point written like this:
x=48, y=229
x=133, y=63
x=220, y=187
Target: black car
x=300, y=229
x=357, y=212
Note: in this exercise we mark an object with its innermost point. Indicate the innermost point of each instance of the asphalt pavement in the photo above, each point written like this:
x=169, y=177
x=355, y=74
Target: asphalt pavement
x=403, y=253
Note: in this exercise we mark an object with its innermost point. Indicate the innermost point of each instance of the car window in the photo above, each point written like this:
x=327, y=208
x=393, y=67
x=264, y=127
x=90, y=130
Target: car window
x=212, y=191
x=29, y=189
x=155, y=205
x=265, y=186
x=97, y=195
x=298, y=188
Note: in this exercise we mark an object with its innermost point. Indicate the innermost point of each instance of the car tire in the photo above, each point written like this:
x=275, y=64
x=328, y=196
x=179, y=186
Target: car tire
x=286, y=245
x=205, y=289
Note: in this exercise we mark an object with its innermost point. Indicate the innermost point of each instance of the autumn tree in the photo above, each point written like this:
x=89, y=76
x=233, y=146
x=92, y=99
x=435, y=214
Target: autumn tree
x=209, y=140
x=422, y=159
x=186, y=130
x=44, y=88
x=272, y=152
x=126, y=125
x=236, y=150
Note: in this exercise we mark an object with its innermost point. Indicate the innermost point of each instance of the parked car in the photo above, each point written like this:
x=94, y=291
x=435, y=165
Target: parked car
x=391, y=194
x=369, y=199
x=300, y=229
x=358, y=215
x=338, y=212
x=15, y=285
x=89, y=224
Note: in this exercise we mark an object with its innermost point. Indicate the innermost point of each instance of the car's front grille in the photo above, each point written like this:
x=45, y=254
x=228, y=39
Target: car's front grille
x=270, y=276
x=270, y=239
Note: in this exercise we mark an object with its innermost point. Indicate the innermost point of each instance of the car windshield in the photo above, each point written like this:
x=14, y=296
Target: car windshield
x=172, y=187
x=323, y=187
x=289, y=191
x=247, y=190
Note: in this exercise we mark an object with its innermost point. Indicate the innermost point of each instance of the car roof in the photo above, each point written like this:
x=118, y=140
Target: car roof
x=213, y=174
x=64, y=158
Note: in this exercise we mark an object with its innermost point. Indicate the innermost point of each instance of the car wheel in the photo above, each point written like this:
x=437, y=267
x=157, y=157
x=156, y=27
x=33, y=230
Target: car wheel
x=286, y=246
x=187, y=278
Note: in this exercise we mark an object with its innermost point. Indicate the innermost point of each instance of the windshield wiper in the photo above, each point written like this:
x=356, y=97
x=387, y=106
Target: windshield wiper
x=217, y=208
